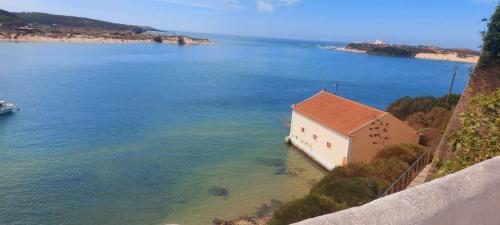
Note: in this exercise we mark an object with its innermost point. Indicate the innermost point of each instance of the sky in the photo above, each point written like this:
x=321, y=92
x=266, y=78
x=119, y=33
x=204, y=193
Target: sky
x=445, y=23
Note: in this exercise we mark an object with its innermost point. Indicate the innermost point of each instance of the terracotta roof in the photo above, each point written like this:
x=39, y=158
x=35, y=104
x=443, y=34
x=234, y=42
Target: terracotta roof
x=340, y=114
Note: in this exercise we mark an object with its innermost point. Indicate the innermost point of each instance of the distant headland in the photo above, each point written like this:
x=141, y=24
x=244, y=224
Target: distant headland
x=43, y=27
x=420, y=51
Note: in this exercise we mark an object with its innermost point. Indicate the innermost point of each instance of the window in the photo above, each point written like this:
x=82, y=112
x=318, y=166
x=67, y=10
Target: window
x=302, y=130
x=328, y=145
x=315, y=137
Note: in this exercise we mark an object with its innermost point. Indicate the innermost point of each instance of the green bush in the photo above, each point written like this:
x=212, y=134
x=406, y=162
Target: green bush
x=406, y=106
x=405, y=152
x=437, y=118
x=357, y=184
x=310, y=206
x=389, y=170
x=353, y=185
x=478, y=137
x=353, y=191
x=354, y=170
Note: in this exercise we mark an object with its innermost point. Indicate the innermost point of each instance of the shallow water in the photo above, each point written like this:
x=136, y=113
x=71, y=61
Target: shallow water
x=138, y=133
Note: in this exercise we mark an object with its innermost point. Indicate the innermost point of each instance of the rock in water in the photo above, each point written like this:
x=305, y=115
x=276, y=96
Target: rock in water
x=218, y=191
x=273, y=162
x=157, y=39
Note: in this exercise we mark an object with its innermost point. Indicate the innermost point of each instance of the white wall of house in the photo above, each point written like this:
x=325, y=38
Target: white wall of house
x=316, y=148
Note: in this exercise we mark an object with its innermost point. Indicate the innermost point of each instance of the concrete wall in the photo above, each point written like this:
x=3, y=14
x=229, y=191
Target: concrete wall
x=362, y=149
x=471, y=196
x=317, y=149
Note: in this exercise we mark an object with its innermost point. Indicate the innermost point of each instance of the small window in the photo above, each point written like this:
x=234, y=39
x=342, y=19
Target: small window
x=302, y=129
x=328, y=145
x=315, y=137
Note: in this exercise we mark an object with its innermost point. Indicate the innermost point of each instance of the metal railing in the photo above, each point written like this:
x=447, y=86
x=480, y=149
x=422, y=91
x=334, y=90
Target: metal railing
x=407, y=177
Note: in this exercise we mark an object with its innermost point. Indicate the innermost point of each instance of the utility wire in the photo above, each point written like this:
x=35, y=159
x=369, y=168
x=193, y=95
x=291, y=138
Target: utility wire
x=399, y=83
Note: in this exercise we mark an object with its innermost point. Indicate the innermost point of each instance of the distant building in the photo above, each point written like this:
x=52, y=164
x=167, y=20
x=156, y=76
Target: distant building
x=25, y=28
x=379, y=42
x=335, y=131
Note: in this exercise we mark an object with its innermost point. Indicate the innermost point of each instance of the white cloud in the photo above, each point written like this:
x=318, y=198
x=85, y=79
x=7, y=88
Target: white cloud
x=266, y=6
x=207, y=4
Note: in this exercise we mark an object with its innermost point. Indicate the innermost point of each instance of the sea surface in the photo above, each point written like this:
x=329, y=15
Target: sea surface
x=131, y=134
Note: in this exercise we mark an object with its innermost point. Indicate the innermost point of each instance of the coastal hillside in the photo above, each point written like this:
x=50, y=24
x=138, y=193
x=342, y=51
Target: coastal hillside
x=12, y=20
x=420, y=51
x=43, y=27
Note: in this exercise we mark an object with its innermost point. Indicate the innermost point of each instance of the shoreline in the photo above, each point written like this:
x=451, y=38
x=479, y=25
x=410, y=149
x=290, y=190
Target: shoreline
x=452, y=57
x=84, y=39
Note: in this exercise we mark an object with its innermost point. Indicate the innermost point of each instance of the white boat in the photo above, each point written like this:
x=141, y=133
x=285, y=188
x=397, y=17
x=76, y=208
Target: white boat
x=6, y=107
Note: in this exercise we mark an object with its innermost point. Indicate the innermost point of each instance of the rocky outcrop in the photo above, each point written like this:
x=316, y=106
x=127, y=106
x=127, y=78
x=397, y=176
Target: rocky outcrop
x=408, y=51
x=261, y=217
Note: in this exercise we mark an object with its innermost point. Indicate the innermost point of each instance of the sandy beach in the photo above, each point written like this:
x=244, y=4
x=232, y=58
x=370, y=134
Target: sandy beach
x=429, y=56
x=97, y=40
x=447, y=57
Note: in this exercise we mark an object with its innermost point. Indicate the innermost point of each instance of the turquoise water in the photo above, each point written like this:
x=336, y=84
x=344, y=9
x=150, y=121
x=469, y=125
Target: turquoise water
x=138, y=133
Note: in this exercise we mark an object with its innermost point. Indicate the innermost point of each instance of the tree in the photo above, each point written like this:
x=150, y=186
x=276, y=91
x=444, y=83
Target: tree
x=490, y=54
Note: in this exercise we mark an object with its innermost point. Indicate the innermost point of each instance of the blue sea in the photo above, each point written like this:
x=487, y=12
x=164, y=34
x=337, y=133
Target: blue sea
x=135, y=134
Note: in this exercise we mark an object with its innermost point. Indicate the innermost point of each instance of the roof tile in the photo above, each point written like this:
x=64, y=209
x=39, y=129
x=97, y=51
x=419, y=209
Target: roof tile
x=340, y=114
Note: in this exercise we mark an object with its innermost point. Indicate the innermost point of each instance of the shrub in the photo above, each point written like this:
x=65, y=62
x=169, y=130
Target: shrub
x=437, y=118
x=389, y=170
x=310, y=206
x=418, y=120
x=353, y=191
x=478, y=137
x=405, y=152
x=406, y=106
x=357, y=184
x=354, y=170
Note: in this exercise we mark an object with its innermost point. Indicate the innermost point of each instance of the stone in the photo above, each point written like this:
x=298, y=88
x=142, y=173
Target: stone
x=218, y=191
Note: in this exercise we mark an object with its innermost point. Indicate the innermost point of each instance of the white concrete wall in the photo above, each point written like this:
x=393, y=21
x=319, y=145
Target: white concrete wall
x=468, y=197
x=317, y=149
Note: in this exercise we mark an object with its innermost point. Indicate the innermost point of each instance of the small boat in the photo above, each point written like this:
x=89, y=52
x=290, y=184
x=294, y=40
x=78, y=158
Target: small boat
x=6, y=107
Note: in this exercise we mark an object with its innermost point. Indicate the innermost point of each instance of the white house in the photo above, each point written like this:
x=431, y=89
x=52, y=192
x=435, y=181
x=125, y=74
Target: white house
x=335, y=131
x=379, y=42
